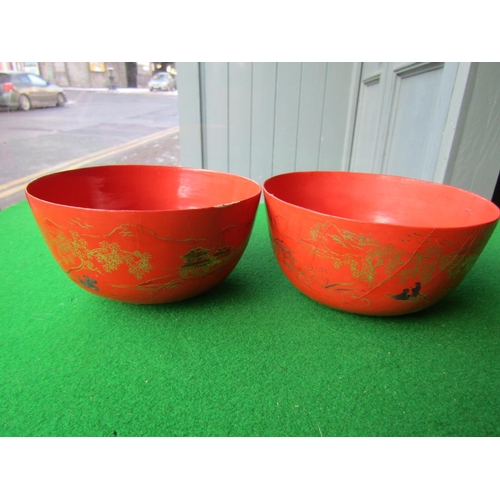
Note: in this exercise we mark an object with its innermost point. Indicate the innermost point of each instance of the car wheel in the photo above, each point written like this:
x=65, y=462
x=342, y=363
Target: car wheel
x=24, y=102
x=61, y=100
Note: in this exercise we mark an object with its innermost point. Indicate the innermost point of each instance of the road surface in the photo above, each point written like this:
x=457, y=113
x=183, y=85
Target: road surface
x=94, y=128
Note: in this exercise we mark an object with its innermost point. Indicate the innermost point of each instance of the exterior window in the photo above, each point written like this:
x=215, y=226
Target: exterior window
x=22, y=78
x=97, y=67
x=36, y=80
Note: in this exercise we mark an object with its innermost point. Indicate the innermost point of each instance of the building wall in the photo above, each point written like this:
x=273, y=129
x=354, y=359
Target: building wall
x=144, y=74
x=476, y=164
x=260, y=119
x=264, y=118
x=78, y=74
x=54, y=72
x=12, y=66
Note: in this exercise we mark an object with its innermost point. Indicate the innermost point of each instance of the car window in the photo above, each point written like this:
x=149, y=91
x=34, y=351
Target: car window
x=4, y=78
x=22, y=78
x=36, y=80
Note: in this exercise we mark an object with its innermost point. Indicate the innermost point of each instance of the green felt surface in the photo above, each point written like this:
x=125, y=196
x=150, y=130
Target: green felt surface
x=252, y=357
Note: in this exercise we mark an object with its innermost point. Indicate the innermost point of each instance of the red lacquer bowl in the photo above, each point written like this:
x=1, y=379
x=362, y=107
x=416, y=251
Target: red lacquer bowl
x=145, y=233
x=375, y=244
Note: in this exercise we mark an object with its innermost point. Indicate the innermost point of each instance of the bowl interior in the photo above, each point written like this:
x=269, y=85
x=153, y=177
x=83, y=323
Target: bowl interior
x=142, y=187
x=382, y=199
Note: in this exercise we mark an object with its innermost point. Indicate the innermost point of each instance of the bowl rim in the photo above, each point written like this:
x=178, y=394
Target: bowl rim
x=199, y=171
x=488, y=221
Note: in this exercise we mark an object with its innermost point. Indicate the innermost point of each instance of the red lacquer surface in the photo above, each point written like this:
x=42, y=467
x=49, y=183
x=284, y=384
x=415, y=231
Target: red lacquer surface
x=144, y=233
x=375, y=244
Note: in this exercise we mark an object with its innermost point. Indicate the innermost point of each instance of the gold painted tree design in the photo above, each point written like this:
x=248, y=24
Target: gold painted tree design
x=434, y=256
x=106, y=257
x=326, y=237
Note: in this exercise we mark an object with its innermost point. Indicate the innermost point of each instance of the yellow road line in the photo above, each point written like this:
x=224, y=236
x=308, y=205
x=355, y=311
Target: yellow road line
x=90, y=157
x=82, y=161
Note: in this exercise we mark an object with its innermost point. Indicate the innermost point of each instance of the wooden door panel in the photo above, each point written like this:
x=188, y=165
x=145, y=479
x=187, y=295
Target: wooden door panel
x=263, y=116
x=286, y=116
x=368, y=119
x=312, y=95
x=338, y=116
x=240, y=117
x=215, y=121
x=414, y=105
x=401, y=116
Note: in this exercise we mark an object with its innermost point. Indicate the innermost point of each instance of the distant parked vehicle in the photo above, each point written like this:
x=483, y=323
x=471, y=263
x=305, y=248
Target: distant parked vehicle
x=162, y=81
x=21, y=90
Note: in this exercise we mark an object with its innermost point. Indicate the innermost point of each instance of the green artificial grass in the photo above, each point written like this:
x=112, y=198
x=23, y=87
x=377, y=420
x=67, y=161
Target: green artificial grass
x=252, y=357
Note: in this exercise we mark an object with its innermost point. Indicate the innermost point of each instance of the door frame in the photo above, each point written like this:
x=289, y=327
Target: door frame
x=456, y=114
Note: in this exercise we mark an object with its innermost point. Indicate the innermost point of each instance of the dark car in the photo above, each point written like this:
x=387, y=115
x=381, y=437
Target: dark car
x=22, y=90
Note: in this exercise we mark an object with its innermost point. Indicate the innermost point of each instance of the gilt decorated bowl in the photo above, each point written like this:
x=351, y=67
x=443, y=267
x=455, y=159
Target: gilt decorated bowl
x=375, y=244
x=145, y=233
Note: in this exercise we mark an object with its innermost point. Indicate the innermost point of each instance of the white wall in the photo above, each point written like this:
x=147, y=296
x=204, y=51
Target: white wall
x=476, y=161
x=261, y=119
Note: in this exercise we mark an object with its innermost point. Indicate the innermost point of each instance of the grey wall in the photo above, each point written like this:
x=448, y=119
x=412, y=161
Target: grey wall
x=476, y=160
x=260, y=119
x=78, y=74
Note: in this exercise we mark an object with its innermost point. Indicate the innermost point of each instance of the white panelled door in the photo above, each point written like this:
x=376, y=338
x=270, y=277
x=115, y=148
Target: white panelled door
x=401, y=116
x=260, y=119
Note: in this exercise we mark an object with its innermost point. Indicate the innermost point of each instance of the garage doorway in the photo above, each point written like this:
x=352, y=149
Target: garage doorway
x=131, y=69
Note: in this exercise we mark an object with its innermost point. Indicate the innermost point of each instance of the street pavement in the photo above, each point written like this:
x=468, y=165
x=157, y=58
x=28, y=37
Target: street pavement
x=97, y=127
x=120, y=90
